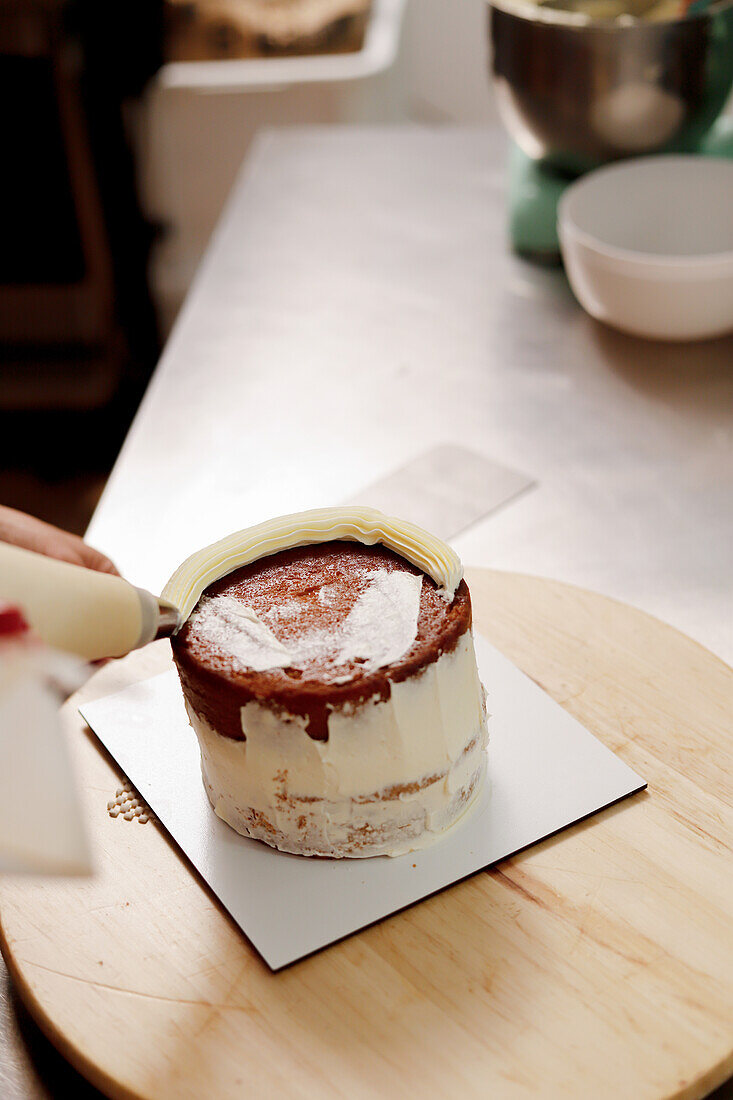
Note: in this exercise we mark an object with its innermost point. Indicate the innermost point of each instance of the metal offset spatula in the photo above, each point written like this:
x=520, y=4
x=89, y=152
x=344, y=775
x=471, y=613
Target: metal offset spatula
x=41, y=824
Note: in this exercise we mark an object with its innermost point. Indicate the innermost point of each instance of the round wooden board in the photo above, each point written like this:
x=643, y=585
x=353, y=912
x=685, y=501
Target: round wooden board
x=596, y=964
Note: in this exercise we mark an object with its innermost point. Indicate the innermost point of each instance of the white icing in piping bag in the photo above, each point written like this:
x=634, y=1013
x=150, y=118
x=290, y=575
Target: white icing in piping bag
x=80, y=610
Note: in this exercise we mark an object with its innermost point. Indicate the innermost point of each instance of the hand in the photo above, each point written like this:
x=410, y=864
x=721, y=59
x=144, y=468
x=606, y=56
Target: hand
x=33, y=534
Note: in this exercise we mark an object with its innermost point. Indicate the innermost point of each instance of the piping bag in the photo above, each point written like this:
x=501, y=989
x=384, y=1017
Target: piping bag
x=54, y=617
x=81, y=611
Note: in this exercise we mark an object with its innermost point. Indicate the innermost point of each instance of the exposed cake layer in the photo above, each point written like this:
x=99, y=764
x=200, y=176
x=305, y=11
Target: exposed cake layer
x=392, y=775
x=312, y=630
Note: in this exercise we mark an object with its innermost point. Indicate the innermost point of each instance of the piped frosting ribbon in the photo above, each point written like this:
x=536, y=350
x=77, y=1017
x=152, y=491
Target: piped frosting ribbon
x=352, y=524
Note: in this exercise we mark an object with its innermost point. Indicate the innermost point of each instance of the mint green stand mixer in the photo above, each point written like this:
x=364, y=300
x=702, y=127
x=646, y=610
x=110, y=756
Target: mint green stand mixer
x=576, y=91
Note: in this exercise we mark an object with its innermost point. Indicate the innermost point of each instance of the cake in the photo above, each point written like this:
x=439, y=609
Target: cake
x=334, y=693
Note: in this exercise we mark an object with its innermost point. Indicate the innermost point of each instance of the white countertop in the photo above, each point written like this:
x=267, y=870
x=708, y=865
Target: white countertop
x=358, y=305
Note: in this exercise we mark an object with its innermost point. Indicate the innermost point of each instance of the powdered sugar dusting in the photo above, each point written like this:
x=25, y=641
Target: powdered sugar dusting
x=284, y=611
x=235, y=631
x=327, y=595
x=379, y=629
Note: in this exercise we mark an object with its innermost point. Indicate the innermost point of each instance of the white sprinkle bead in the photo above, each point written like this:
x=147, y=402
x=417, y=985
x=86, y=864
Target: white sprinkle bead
x=130, y=806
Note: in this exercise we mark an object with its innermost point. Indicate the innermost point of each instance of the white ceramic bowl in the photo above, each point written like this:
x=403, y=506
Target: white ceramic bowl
x=648, y=245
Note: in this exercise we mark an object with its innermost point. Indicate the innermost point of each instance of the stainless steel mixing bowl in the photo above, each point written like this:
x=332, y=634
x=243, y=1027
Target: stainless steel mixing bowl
x=575, y=94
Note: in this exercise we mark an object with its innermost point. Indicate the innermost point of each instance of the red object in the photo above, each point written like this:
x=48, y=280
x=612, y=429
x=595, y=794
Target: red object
x=12, y=620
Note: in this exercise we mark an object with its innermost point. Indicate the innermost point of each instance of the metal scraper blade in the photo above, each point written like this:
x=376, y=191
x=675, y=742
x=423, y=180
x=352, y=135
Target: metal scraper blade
x=41, y=825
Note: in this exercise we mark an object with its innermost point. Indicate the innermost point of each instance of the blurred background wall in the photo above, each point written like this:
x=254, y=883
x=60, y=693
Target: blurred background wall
x=120, y=153
x=438, y=76
x=120, y=168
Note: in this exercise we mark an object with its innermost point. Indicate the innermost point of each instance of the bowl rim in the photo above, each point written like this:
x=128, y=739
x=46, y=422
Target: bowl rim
x=673, y=261
x=535, y=12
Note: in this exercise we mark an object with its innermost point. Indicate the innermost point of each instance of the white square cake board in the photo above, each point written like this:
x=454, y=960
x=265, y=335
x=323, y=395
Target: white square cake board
x=545, y=772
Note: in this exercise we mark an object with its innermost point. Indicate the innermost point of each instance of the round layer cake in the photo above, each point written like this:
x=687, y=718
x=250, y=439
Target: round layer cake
x=334, y=692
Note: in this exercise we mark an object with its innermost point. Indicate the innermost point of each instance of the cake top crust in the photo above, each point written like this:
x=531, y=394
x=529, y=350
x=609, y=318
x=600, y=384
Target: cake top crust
x=313, y=628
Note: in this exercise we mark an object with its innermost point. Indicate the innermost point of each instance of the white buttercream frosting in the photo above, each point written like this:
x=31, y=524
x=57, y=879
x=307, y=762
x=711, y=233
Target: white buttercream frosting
x=234, y=631
x=382, y=625
x=355, y=524
x=392, y=776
